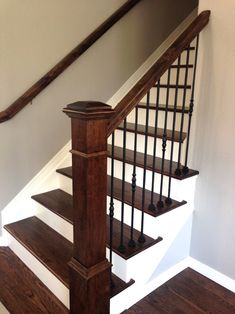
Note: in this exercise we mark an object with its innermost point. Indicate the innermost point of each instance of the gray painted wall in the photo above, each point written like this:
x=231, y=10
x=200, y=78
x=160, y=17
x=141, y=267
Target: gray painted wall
x=34, y=36
x=214, y=154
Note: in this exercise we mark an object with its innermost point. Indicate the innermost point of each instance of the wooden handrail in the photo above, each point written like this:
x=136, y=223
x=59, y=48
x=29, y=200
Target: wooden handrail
x=133, y=97
x=61, y=66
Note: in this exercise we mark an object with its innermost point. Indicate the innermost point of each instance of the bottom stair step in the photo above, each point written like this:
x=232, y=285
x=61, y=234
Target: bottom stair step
x=21, y=291
x=51, y=249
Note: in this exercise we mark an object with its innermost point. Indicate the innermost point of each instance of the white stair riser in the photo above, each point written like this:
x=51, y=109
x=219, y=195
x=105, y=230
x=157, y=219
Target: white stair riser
x=172, y=95
x=180, y=189
x=162, y=226
x=150, y=145
x=175, y=184
x=160, y=120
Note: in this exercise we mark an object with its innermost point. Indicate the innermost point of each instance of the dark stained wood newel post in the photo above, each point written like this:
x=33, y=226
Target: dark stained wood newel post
x=89, y=268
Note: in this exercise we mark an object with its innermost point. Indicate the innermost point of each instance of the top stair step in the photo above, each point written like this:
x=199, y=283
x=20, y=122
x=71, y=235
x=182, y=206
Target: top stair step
x=130, y=127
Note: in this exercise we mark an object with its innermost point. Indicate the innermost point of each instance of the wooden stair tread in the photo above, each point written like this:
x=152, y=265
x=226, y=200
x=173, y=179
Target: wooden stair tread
x=52, y=201
x=50, y=248
x=130, y=127
x=180, y=86
x=117, y=194
x=21, y=291
x=118, y=155
x=163, y=108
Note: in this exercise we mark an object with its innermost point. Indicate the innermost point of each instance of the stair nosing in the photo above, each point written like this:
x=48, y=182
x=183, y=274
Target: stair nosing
x=115, y=221
x=28, y=247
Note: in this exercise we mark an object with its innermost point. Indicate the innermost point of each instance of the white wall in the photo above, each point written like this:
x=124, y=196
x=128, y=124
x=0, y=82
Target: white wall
x=214, y=154
x=35, y=34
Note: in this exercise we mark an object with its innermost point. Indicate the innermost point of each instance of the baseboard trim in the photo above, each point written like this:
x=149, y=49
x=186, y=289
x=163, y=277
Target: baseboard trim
x=212, y=274
x=3, y=242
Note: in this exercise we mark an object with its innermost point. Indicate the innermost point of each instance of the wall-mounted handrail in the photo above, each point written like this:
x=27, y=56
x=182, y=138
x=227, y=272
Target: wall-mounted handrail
x=126, y=105
x=62, y=65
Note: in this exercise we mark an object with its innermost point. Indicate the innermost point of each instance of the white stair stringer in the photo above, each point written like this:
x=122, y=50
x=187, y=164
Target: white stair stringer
x=143, y=265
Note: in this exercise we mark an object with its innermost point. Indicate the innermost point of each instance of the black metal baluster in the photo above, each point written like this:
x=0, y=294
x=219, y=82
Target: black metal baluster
x=142, y=237
x=168, y=200
x=185, y=168
x=160, y=203
x=152, y=205
x=178, y=170
x=111, y=207
x=133, y=184
x=122, y=248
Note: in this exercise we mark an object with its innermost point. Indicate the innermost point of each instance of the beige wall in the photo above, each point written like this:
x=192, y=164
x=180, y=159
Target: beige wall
x=214, y=154
x=35, y=34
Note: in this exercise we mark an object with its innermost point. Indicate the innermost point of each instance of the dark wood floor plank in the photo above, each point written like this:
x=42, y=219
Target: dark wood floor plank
x=130, y=127
x=190, y=290
x=219, y=291
x=163, y=300
x=187, y=293
x=58, y=200
x=128, y=195
x=21, y=291
x=51, y=249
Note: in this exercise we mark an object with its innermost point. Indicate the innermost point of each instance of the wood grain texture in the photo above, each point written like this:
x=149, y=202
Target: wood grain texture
x=188, y=292
x=163, y=108
x=149, y=165
x=62, y=65
x=130, y=127
x=21, y=291
x=89, y=291
x=60, y=203
x=134, y=96
x=117, y=189
x=50, y=248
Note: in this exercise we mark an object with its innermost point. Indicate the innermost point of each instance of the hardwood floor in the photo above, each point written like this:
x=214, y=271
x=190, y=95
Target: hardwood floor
x=21, y=291
x=187, y=293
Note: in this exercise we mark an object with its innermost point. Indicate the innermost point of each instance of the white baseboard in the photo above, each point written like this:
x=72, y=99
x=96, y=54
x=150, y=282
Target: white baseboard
x=3, y=310
x=135, y=293
x=212, y=274
x=3, y=242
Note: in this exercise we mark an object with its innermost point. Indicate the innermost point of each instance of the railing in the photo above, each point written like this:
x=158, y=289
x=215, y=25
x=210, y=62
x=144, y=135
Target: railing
x=62, y=65
x=92, y=123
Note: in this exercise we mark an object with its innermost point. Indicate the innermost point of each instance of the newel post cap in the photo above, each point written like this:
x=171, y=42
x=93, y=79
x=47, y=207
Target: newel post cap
x=88, y=110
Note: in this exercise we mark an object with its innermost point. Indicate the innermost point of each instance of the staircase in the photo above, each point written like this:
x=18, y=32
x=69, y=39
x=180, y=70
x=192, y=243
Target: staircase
x=144, y=186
